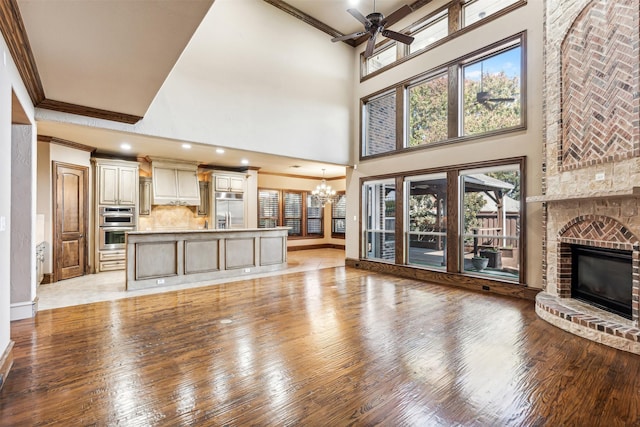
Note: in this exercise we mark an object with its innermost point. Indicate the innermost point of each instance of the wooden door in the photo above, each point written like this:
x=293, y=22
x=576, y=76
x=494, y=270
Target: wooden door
x=70, y=220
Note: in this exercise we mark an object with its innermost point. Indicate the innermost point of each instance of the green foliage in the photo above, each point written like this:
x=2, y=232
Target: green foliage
x=428, y=112
x=480, y=118
x=473, y=203
x=428, y=104
x=423, y=213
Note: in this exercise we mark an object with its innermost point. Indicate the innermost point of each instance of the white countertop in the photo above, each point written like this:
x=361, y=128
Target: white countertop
x=224, y=230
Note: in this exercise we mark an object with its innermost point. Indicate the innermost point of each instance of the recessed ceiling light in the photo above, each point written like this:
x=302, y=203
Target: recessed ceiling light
x=219, y=150
x=244, y=161
x=125, y=146
x=186, y=146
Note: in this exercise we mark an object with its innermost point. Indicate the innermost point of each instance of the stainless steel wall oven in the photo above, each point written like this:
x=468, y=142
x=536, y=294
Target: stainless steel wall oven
x=114, y=223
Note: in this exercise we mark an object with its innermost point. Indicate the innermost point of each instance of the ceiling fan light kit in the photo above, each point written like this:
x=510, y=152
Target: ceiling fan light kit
x=375, y=23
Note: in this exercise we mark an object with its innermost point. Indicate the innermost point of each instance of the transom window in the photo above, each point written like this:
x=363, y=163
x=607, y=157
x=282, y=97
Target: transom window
x=477, y=10
x=433, y=28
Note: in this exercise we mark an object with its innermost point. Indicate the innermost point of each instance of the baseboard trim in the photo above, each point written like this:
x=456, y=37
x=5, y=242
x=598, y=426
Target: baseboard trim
x=319, y=246
x=23, y=310
x=444, y=278
x=6, y=362
x=48, y=278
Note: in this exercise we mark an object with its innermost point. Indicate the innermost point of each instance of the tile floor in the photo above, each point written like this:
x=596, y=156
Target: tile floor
x=109, y=285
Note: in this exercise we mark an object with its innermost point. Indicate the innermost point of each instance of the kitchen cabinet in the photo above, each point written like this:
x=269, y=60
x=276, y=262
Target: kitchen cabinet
x=117, y=182
x=175, y=184
x=229, y=182
x=145, y=195
x=203, y=207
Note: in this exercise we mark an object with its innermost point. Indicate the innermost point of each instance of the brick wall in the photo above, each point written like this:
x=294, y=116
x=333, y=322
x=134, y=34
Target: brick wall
x=592, y=127
x=592, y=111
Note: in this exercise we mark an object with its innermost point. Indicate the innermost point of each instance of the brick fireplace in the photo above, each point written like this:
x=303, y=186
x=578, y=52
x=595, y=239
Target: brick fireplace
x=591, y=179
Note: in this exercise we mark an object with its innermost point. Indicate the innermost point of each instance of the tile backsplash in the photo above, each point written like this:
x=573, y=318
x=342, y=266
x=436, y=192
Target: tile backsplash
x=171, y=218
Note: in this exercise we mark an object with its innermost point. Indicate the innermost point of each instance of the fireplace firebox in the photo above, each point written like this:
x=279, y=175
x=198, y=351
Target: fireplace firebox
x=603, y=278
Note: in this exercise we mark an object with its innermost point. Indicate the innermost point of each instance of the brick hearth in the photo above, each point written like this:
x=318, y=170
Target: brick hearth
x=592, y=156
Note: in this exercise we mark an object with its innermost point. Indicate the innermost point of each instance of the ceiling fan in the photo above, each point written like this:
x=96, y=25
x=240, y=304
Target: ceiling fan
x=484, y=98
x=375, y=23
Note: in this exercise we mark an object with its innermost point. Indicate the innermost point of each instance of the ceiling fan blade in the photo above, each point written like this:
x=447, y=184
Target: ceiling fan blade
x=360, y=17
x=501, y=99
x=402, y=38
x=397, y=15
x=371, y=44
x=349, y=36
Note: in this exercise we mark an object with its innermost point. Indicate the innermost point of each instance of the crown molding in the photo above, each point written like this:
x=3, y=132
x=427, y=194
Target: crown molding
x=15, y=35
x=66, y=143
x=297, y=13
x=65, y=107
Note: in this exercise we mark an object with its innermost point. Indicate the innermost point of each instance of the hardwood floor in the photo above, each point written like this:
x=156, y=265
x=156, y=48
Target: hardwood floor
x=336, y=346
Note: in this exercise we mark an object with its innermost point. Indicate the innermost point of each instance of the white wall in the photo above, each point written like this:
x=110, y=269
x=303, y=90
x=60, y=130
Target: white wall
x=526, y=143
x=9, y=80
x=23, y=283
x=256, y=78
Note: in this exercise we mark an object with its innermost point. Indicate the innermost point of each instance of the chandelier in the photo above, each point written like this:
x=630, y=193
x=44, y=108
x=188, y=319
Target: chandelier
x=323, y=193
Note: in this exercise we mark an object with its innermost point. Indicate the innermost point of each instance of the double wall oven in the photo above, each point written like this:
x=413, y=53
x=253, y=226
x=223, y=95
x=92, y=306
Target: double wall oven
x=114, y=223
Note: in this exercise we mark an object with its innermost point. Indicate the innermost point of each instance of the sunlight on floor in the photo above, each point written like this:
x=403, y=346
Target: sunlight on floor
x=110, y=285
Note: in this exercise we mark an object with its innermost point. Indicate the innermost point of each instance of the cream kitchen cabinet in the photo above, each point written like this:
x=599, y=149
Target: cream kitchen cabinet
x=203, y=208
x=117, y=182
x=145, y=195
x=175, y=184
x=229, y=182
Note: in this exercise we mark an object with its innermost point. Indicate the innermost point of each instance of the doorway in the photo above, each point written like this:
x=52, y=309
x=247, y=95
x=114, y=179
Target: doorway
x=70, y=214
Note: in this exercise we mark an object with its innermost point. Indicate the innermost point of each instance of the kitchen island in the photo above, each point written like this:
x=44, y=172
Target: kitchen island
x=161, y=258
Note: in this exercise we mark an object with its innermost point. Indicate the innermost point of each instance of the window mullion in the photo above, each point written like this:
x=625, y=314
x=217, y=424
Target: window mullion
x=453, y=97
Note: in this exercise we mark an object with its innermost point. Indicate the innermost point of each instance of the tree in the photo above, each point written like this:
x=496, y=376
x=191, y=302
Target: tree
x=428, y=112
x=491, y=115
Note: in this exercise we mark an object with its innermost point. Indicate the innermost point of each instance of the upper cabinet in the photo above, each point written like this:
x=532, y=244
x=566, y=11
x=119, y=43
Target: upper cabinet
x=175, y=183
x=117, y=182
x=229, y=182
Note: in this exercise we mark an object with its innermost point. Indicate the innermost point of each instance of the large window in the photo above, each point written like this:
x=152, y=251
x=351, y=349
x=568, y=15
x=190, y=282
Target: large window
x=293, y=209
x=490, y=215
x=491, y=92
x=453, y=219
x=427, y=110
x=426, y=219
x=380, y=124
x=380, y=213
x=476, y=95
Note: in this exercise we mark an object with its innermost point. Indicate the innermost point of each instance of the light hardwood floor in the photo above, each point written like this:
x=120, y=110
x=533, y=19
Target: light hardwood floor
x=329, y=347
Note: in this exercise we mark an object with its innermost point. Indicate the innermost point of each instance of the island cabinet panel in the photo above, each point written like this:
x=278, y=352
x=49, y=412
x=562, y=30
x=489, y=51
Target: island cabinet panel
x=201, y=256
x=156, y=259
x=240, y=253
x=162, y=258
x=273, y=250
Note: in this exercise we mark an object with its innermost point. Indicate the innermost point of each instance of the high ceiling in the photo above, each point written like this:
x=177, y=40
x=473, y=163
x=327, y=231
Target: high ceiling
x=115, y=55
